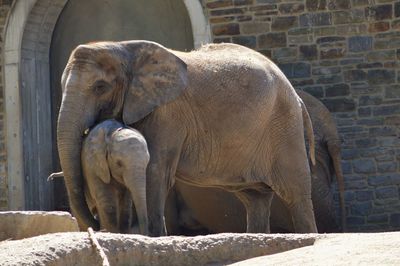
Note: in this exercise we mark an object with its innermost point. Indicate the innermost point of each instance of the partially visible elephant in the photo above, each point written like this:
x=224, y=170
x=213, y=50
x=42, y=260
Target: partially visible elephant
x=222, y=116
x=208, y=210
x=114, y=162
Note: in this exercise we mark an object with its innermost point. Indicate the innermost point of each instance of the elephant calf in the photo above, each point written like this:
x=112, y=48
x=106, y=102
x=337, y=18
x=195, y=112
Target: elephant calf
x=114, y=162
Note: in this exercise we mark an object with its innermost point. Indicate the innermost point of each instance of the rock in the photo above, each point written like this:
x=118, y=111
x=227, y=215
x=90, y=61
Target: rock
x=76, y=249
x=24, y=224
x=354, y=249
x=221, y=249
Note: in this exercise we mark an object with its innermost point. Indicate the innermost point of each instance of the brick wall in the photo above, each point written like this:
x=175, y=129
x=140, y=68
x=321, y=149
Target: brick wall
x=346, y=53
x=5, y=6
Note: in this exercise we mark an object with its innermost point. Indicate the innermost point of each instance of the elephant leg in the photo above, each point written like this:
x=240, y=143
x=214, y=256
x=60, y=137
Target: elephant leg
x=258, y=207
x=291, y=181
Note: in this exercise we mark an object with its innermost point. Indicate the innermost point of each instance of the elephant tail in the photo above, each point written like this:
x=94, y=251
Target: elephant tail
x=334, y=152
x=309, y=130
x=53, y=175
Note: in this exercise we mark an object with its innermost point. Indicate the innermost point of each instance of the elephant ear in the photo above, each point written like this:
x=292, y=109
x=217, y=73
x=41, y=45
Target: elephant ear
x=158, y=77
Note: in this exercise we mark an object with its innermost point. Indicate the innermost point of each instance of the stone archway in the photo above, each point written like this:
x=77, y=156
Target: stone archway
x=29, y=137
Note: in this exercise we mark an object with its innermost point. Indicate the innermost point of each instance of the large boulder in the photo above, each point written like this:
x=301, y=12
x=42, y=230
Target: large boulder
x=221, y=249
x=23, y=224
x=78, y=249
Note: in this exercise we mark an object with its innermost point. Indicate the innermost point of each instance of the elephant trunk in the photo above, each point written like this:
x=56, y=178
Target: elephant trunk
x=69, y=137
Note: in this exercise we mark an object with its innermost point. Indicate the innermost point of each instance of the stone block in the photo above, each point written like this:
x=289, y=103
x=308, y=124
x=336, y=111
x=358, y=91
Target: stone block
x=296, y=39
x=255, y=27
x=316, y=91
x=263, y=7
x=392, y=121
x=361, y=2
x=384, y=180
x=369, y=65
x=340, y=105
x=242, y=2
x=244, y=18
x=24, y=224
x=360, y=43
x=284, y=52
x=351, y=61
x=296, y=70
x=364, y=111
x=348, y=16
x=378, y=121
x=369, y=100
x=379, y=26
x=221, y=40
x=272, y=40
x=315, y=19
x=364, y=166
x=355, y=185
x=226, y=29
x=386, y=110
x=347, y=168
x=395, y=24
x=216, y=20
x=315, y=5
x=395, y=219
x=338, y=4
x=284, y=23
x=333, y=53
x=337, y=90
x=387, y=167
x=364, y=195
x=379, y=12
x=330, y=39
x=397, y=9
x=300, y=31
x=348, y=196
x=381, y=76
x=361, y=209
x=219, y=4
x=248, y=41
x=229, y=11
x=324, y=31
x=352, y=29
x=378, y=218
x=291, y=8
x=353, y=220
x=326, y=70
x=383, y=131
x=366, y=143
x=387, y=192
x=354, y=75
x=308, y=52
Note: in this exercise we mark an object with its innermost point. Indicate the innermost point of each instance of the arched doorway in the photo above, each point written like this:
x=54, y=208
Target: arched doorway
x=38, y=28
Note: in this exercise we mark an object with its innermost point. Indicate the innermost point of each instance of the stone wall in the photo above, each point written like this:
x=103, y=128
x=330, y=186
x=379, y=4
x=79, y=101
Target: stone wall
x=5, y=6
x=346, y=53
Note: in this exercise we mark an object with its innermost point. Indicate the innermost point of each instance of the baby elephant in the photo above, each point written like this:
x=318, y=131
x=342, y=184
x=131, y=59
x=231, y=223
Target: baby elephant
x=114, y=162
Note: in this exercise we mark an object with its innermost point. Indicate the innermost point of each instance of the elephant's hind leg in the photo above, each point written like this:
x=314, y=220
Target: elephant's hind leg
x=258, y=206
x=292, y=183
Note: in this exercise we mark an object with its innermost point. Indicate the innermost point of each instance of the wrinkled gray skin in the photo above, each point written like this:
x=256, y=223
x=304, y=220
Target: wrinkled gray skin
x=190, y=108
x=207, y=210
x=114, y=162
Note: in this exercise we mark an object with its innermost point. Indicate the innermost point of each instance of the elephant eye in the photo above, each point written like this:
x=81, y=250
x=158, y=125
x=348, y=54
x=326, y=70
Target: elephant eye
x=101, y=87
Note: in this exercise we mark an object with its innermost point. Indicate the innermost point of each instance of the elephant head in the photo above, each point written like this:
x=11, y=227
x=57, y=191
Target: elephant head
x=125, y=80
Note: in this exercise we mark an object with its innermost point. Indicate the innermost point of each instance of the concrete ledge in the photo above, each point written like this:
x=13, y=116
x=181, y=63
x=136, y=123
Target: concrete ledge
x=24, y=224
x=76, y=249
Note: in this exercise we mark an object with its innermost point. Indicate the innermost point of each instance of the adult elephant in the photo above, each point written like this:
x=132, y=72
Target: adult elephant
x=222, y=116
x=206, y=210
